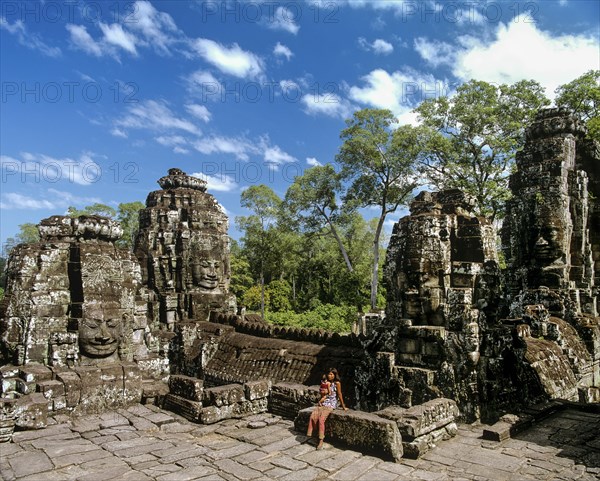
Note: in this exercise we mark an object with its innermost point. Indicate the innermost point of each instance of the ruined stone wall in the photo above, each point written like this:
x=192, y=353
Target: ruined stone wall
x=220, y=355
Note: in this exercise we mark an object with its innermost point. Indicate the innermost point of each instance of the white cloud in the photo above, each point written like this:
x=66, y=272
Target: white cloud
x=115, y=35
x=171, y=140
x=329, y=104
x=203, y=84
x=434, y=52
x=230, y=60
x=30, y=40
x=218, y=182
x=282, y=51
x=242, y=148
x=239, y=147
x=175, y=141
x=274, y=155
x=58, y=200
x=522, y=51
x=399, y=92
x=81, y=39
x=379, y=46
x=154, y=115
x=12, y=200
x=382, y=47
x=156, y=27
x=313, y=162
x=284, y=19
x=118, y=133
x=44, y=168
x=199, y=111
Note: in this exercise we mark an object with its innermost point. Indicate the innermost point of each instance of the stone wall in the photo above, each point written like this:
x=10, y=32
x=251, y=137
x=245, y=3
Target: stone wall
x=219, y=354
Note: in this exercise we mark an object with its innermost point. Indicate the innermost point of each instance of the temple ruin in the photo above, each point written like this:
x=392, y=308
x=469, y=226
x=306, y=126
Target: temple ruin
x=86, y=326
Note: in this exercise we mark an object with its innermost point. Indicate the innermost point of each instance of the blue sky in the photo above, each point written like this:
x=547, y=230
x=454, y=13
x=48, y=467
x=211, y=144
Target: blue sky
x=99, y=99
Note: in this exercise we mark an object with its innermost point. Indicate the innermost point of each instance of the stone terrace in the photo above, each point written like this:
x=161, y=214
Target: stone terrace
x=146, y=443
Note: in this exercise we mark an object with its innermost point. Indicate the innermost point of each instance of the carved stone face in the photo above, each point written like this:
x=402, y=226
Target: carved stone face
x=99, y=333
x=206, y=273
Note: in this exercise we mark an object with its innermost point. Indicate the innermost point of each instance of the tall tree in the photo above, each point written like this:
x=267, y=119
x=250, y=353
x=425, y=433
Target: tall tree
x=128, y=217
x=380, y=162
x=583, y=96
x=94, y=209
x=260, y=228
x=311, y=199
x=474, y=136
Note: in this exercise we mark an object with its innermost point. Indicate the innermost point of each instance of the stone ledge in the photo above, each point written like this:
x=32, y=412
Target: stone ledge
x=423, y=426
x=365, y=432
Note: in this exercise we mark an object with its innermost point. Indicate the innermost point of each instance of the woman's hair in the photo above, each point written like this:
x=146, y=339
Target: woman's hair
x=336, y=375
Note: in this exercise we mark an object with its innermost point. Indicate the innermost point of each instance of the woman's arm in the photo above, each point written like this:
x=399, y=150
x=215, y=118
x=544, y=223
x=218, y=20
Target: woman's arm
x=339, y=393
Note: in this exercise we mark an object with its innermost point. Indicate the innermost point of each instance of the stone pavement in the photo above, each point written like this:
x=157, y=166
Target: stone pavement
x=146, y=443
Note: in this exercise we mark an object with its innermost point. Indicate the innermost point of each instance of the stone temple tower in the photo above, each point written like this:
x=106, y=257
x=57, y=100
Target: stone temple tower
x=552, y=229
x=183, y=247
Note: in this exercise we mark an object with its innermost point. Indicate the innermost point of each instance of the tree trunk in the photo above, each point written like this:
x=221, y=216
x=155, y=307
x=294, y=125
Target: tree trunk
x=375, y=278
x=341, y=246
x=262, y=295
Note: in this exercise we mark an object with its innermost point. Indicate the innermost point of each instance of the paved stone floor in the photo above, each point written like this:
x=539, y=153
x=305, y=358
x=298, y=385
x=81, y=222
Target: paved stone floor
x=145, y=443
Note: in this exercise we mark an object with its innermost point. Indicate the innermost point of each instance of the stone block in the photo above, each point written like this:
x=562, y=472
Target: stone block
x=213, y=414
x=72, y=384
x=257, y=389
x=423, y=418
x=59, y=403
x=409, y=346
x=31, y=411
x=51, y=389
x=415, y=448
x=187, y=387
x=288, y=390
x=223, y=395
x=35, y=373
x=365, y=432
x=7, y=418
x=8, y=372
x=8, y=385
x=25, y=387
x=499, y=431
x=184, y=407
x=132, y=383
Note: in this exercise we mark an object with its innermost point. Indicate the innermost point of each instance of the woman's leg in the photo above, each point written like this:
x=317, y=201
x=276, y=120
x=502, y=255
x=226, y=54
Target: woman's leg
x=313, y=421
x=324, y=414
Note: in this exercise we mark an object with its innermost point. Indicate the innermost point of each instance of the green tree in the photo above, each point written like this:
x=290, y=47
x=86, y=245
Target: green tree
x=473, y=137
x=28, y=234
x=380, y=162
x=94, y=209
x=128, y=217
x=583, y=96
x=256, y=298
x=280, y=293
x=260, y=229
x=311, y=200
x=241, y=276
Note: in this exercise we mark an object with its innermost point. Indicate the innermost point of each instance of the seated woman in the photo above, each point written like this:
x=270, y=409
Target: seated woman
x=325, y=406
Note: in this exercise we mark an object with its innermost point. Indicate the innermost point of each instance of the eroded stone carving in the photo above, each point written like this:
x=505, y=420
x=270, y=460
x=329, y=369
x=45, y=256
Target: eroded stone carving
x=183, y=248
